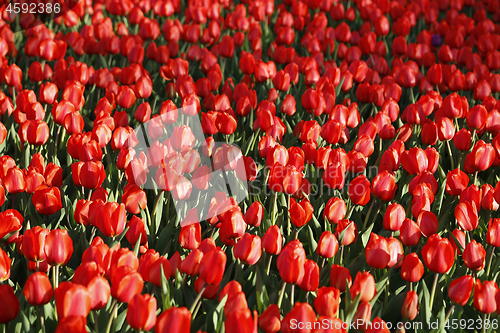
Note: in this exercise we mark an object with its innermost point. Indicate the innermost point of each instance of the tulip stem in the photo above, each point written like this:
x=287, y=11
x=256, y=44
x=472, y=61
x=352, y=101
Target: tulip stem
x=448, y=314
x=490, y=259
x=113, y=315
x=42, y=318
x=282, y=293
x=198, y=297
x=433, y=290
x=269, y=261
x=451, y=155
x=475, y=177
x=55, y=276
x=292, y=295
x=368, y=215
x=350, y=211
x=274, y=208
x=96, y=322
x=484, y=321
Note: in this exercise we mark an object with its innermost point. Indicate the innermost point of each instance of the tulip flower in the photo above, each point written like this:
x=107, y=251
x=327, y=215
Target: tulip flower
x=272, y=241
x=377, y=252
x=438, y=254
x=364, y=284
x=141, y=312
x=340, y=277
x=460, y=289
x=72, y=300
x=38, y=289
x=301, y=313
x=269, y=321
x=7, y=296
x=301, y=213
x=359, y=190
x=248, y=249
x=485, y=296
x=474, y=256
x=384, y=186
x=212, y=266
x=174, y=320
x=126, y=283
x=328, y=245
x=394, y=217
x=327, y=301
x=410, y=305
x=291, y=262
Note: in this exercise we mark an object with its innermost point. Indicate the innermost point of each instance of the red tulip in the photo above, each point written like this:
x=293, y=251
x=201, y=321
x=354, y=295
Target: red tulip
x=364, y=284
x=4, y=266
x=412, y=268
x=327, y=301
x=485, y=295
x=384, y=186
x=38, y=289
x=272, y=241
x=460, y=289
x=377, y=252
x=174, y=320
x=212, y=266
x=410, y=305
x=327, y=245
x=269, y=320
x=58, y=247
x=291, y=262
x=248, y=249
x=72, y=300
x=474, y=256
x=438, y=254
x=7, y=296
x=126, y=283
x=141, y=312
x=340, y=278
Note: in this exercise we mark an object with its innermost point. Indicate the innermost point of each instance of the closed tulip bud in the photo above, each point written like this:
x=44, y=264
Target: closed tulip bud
x=394, y=217
x=456, y=182
x=38, y=289
x=126, y=283
x=384, y=186
x=410, y=305
x=359, y=190
x=191, y=264
x=364, y=284
x=254, y=214
x=291, y=262
x=270, y=319
x=467, y=216
x=7, y=296
x=340, y=277
x=33, y=243
x=248, y=249
x=327, y=301
x=363, y=316
x=190, y=236
x=351, y=233
x=462, y=139
x=412, y=268
x=292, y=179
x=310, y=282
x=328, y=245
x=493, y=233
x=155, y=271
x=72, y=300
x=141, y=312
x=377, y=252
x=335, y=210
x=414, y=161
x=14, y=181
x=272, y=241
x=457, y=240
x=301, y=212
x=99, y=290
x=482, y=156
x=5, y=263
x=174, y=320
x=58, y=247
x=235, y=302
x=446, y=129
x=474, y=256
x=47, y=200
x=460, y=289
x=485, y=295
x=438, y=254
x=488, y=201
x=301, y=312
x=212, y=266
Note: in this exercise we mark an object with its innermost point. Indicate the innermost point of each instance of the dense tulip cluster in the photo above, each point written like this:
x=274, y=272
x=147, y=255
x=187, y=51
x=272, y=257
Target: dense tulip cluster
x=250, y=166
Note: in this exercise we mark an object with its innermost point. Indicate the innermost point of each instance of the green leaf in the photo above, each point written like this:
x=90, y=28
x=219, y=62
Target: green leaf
x=365, y=237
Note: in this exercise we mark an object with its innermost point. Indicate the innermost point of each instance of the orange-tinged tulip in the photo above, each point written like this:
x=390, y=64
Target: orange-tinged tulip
x=410, y=305
x=125, y=284
x=364, y=284
x=47, y=200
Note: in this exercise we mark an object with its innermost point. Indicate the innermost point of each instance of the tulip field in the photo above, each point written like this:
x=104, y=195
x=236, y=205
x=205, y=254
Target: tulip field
x=249, y=166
